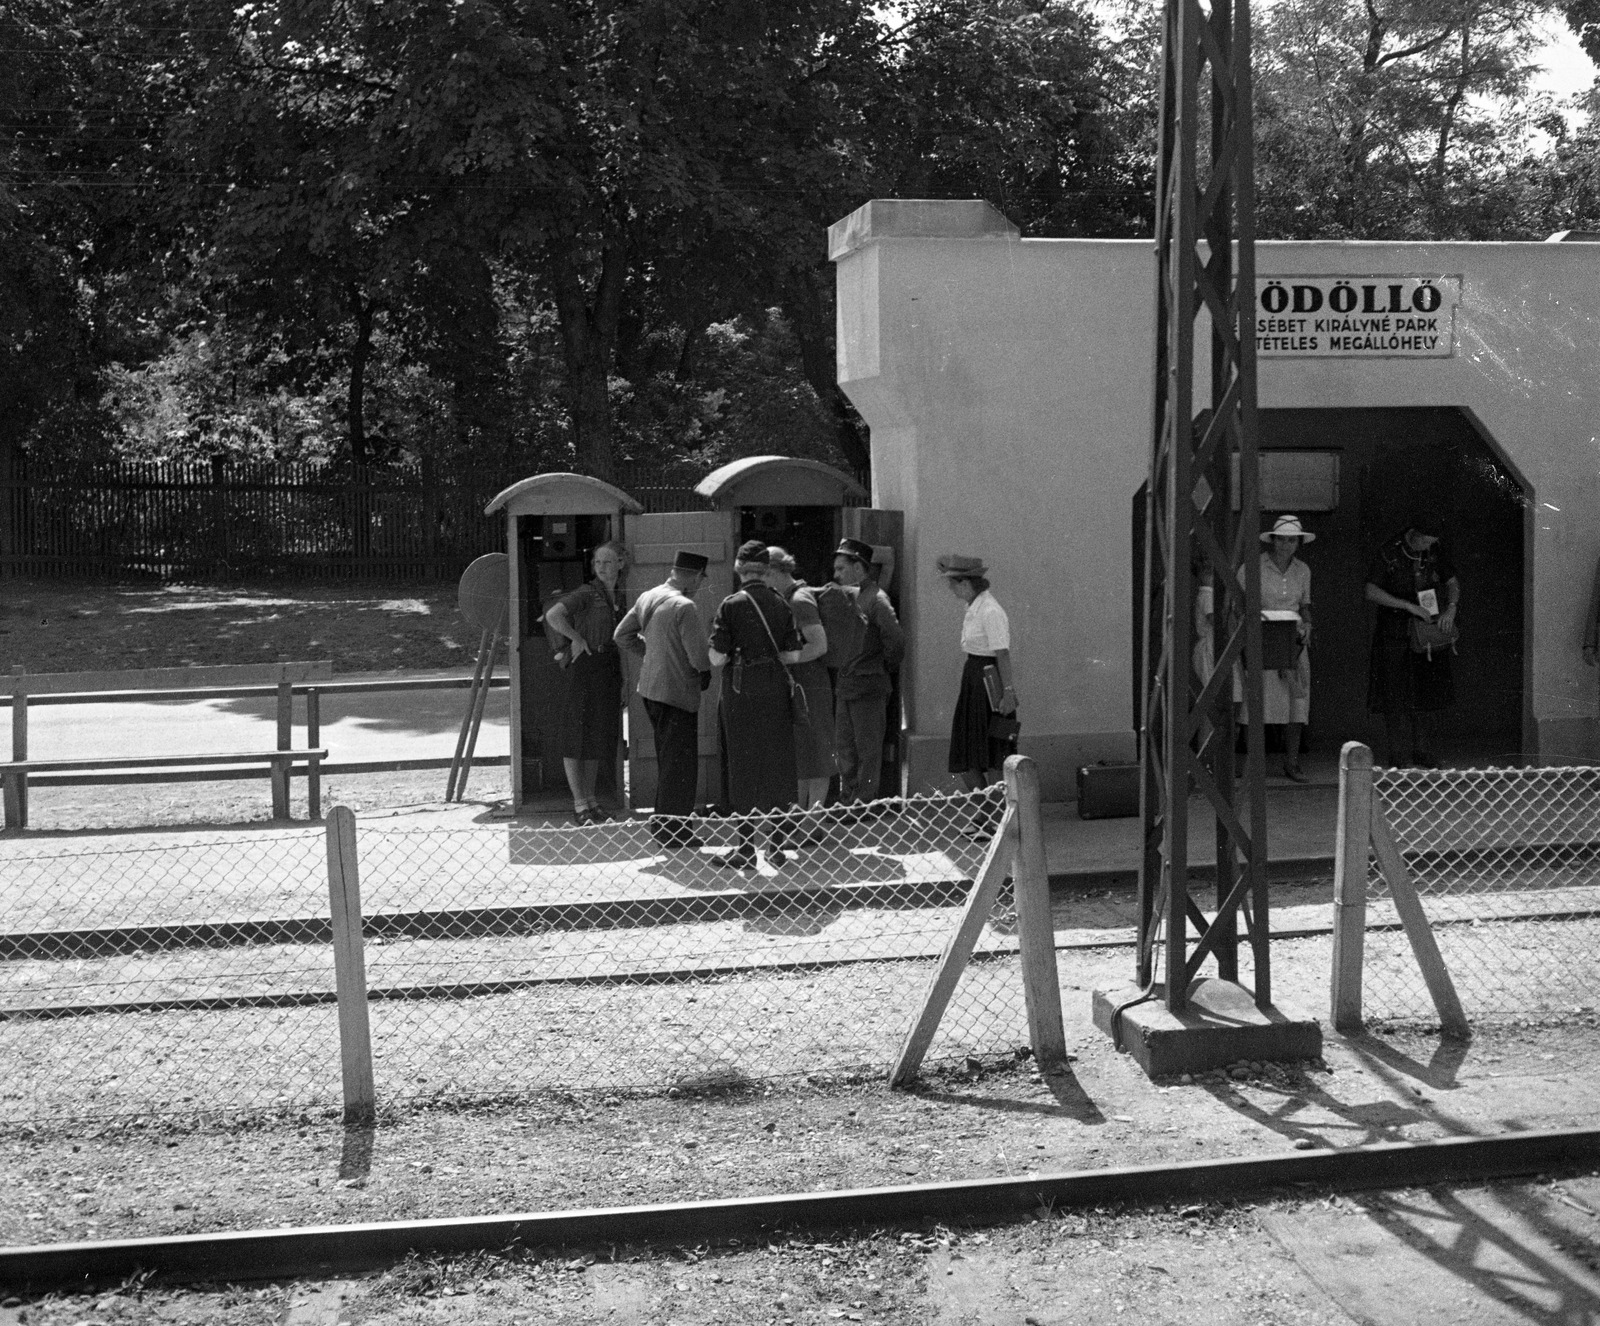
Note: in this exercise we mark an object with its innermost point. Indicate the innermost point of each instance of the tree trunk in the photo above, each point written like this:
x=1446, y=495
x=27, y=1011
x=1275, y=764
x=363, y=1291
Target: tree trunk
x=588, y=346
x=360, y=352
x=812, y=321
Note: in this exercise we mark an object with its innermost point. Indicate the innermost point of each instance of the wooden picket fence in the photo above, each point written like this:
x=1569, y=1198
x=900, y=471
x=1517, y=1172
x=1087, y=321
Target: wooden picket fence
x=179, y=520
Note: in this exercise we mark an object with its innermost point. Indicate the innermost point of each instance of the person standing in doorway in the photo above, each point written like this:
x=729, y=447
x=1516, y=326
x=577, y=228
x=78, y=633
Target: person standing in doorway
x=664, y=630
x=1411, y=578
x=591, y=723
x=861, y=696
x=754, y=641
x=1286, y=587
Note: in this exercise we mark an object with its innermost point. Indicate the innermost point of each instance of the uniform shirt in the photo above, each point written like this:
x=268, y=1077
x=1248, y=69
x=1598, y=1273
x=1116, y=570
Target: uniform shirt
x=1288, y=590
x=592, y=613
x=985, y=630
x=882, y=645
x=664, y=627
x=754, y=624
x=1398, y=570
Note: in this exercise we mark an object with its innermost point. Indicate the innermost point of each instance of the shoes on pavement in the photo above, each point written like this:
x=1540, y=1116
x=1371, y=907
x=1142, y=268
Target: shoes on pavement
x=1293, y=772
x=743, y=859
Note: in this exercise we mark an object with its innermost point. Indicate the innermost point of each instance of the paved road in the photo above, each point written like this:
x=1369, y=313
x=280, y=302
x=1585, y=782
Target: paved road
x=408, y=725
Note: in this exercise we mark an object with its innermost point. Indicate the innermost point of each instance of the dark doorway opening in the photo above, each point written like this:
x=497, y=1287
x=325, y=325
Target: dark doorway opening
x=809, y=533
x=555, y=552
x=1391, y=460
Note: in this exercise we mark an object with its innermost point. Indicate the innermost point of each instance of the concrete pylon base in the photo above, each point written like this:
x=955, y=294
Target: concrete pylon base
x=1220, y=1026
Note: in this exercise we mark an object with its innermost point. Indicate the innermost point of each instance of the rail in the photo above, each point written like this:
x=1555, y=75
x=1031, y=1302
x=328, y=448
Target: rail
x=20, y=702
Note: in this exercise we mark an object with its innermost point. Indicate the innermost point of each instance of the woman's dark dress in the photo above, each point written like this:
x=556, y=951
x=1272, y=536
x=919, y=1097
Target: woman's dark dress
x=1398, y=680
x=757, y=728
x=973, y=744
x=591, y=721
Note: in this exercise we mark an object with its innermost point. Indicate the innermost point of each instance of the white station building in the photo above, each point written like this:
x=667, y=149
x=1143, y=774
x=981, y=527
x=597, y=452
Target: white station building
x=1007, y=385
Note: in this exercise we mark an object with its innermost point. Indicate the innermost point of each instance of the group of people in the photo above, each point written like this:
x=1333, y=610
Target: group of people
x=807, y=674
x=1413, y=583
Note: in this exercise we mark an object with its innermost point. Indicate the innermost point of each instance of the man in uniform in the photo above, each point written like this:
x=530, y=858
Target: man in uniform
x=664, y=629
x=862, y=689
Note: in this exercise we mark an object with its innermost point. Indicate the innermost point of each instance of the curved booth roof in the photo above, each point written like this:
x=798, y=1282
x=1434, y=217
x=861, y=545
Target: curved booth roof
x=779, y=481
x=563, y=494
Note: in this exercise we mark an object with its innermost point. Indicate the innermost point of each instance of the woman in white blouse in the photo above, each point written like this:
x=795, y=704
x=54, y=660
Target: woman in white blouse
x=978, y=745
x=1286, y=586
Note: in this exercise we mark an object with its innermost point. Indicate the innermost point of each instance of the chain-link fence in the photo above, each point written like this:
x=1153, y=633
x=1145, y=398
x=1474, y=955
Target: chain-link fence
x=174, y=975
x=1506, y=865
x=499, y=960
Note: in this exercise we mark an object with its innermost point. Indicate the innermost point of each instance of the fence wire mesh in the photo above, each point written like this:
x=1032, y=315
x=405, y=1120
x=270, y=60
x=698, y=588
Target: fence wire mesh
x=1505, y=863
x=179, y=975
x=575, y=959
x=196, y=976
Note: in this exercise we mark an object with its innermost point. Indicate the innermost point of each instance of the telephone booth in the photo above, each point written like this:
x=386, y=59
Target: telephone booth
x=554, y=524
x=803, y=505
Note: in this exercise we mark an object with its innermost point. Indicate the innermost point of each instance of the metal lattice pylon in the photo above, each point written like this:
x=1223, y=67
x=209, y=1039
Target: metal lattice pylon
x=1205, y=246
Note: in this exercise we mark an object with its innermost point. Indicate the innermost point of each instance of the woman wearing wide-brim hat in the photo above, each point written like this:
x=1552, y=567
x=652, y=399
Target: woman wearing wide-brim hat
x=1286, y=587
x=981, y=734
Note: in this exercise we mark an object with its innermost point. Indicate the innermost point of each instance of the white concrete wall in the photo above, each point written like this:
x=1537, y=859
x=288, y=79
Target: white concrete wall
x=1007, y=386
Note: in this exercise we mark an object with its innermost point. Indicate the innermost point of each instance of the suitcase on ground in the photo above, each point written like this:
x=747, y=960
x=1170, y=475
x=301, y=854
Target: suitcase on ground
x=1108, y=791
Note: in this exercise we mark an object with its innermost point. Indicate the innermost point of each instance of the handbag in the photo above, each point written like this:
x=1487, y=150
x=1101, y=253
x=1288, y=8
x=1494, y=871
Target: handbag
x=799, y=706
x=1430, y=635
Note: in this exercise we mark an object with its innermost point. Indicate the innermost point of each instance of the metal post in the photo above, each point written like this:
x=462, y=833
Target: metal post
x=1350, y=884
x=1205, y=263
x=1036, y=931
x=349, y=966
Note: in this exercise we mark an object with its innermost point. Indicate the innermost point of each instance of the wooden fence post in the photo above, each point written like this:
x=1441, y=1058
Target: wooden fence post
x=280, y=768
x=1350, y=884
x=1036, y=932
x=957, y=950
x=349, y=966
x=313, y=740
x=1441, y=989
x=16, y=793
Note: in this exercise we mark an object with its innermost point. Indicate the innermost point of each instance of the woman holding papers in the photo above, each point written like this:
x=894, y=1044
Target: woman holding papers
x=984, y=729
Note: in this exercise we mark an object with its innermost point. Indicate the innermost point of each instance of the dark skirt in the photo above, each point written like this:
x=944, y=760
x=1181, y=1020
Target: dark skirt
x=1401, y=682
x=591, y=722
x=971, y=746
x=758, y=738
x=813, y=740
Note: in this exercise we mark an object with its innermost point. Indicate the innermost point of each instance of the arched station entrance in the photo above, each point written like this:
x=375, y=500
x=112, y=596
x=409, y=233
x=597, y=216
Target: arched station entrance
x=1354, y=476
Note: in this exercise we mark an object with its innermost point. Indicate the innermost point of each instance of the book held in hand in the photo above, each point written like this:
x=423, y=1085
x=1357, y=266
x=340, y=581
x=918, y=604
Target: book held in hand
x=993, y=685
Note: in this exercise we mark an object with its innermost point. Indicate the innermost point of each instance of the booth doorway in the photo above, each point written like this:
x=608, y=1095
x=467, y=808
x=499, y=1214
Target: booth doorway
x=1391, y=461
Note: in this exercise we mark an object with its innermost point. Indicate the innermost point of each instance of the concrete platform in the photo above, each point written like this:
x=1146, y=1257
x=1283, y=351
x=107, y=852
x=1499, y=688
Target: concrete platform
x=1221, y=1026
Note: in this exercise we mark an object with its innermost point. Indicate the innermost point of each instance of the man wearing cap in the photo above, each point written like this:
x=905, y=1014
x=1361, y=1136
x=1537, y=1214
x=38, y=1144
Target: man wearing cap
x=663, y=628
x=861, y=694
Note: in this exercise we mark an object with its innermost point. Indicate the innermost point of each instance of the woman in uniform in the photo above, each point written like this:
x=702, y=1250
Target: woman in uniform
x=752, y=639
x=1411, y=576
x=591, y=722
x=813, y=733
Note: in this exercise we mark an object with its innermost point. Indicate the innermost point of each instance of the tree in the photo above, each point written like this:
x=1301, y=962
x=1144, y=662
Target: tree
x=1382, y=118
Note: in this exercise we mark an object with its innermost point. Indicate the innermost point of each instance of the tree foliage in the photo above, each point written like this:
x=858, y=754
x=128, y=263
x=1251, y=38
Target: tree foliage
x=519, y=234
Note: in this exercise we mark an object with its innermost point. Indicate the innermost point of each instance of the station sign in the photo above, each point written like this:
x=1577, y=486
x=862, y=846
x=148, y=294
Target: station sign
x=1356, y=317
